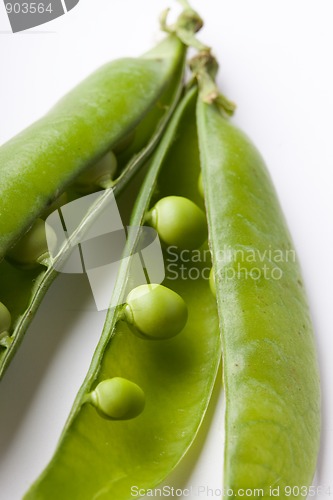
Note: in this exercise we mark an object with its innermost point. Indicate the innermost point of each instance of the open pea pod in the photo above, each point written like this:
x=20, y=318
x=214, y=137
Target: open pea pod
x=272, y=417
x=69, y=151
x=100, y=458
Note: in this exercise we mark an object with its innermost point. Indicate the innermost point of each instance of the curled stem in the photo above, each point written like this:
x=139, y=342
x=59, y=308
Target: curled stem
x=204, y=68
x=187, y=25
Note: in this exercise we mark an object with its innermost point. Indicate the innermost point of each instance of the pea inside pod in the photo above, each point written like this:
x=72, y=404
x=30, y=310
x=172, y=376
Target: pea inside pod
x=179, y=222
x=117, y=399
x=155, y=312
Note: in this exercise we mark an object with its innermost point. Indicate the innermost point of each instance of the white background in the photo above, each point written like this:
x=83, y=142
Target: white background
x=276, y=63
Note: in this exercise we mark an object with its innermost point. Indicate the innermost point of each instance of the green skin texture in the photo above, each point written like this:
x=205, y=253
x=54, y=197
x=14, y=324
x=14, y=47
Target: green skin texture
x=100, y=459
x=272, y=420
x=179, y=222
x=38, y=163
x=167, y=312
x=118, y=399
x=22, y=290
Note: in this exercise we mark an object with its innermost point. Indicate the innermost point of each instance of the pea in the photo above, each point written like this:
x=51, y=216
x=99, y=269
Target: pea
x=155, y=312
x=179, y=222
x=118, y=399
x=100, y=175
x=32, y=248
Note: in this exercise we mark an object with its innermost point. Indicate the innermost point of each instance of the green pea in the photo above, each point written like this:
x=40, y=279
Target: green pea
x=179, y=222
x=32, y=248
x=212, y=283
x=97, y=176
x=118, y=399
x=155, y=312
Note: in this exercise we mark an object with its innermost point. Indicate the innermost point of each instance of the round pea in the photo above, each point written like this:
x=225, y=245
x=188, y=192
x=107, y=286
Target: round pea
x=155, y=312
x=32, y=248
x=118, y=399
x=97, y=176
x=5, y=319
x=179, y=222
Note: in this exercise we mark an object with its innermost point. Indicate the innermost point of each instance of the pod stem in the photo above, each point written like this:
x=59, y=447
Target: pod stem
x=89, y=398
x=151, y=218
x=204, y=67
x=187, y=25
x=126, y=314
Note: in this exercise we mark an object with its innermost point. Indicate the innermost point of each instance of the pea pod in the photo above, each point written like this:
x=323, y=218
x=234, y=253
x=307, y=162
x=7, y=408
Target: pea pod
x=84, y=125
x=272, y=418
x=44, y=159
x=176, y=374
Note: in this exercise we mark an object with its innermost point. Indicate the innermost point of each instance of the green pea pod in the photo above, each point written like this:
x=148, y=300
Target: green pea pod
x=101, y=458
x=71, y=137
x=42, y=160
x=272, y=418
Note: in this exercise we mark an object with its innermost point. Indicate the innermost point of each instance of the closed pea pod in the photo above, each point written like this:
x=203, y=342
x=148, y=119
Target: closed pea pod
x=176, y=374
x=272, y=419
